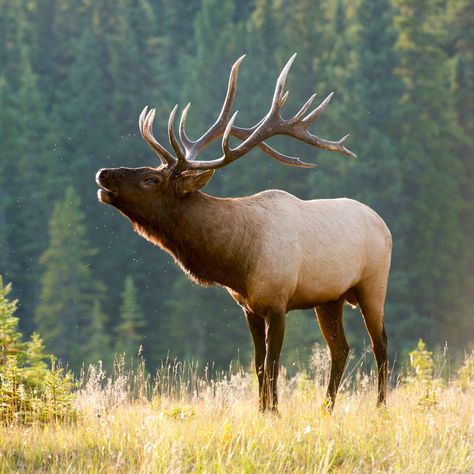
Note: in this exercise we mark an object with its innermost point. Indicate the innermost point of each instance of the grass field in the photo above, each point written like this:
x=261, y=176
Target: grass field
x=193, y=424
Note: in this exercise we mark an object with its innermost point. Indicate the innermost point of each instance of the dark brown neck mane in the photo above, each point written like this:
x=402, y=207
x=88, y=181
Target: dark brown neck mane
x=209, y=238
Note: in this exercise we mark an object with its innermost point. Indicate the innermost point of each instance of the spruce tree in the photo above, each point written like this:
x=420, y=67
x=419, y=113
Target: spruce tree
x=308, y=31
x=25, y=154
x=129, y=331
x=98, y=346
x=58, y=25
x=11, y=343
x=203, y=325
x=461, y=49
x=207, y=71
x=29, y=356
x=372, y=96
x=134, y=62
x=430, y=201
x=68, y=287
x=177, y=44
x=26, y=383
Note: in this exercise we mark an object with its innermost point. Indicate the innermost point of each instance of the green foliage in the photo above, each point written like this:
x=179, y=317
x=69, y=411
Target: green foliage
x=199, y=325
x=99, y=344
x=301, y=335
x=68, y=289
x=50, y=401
x=28, y=357
x=421, y=362
x=10, y=337
x=422, y=375
x=431, y=169
x=466, y=372
x=130, y=328
x=29, y=390
x=35, y=369
x=57, y=394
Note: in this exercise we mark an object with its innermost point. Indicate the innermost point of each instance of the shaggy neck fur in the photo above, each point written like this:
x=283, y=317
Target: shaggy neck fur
x=209, y=237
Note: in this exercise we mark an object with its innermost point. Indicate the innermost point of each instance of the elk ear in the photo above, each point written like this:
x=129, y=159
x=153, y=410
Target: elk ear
x=192, y=181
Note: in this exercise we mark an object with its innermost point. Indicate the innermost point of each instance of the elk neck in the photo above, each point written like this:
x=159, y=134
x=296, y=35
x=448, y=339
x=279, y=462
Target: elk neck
x=210, y=238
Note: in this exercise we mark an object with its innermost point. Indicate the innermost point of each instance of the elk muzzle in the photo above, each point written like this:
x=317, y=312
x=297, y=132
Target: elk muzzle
x=105, y=194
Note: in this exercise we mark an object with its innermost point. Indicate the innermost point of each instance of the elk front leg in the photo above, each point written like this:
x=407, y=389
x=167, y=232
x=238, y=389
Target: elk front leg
x=330, y=321
x=257, y=330
x=275, y=330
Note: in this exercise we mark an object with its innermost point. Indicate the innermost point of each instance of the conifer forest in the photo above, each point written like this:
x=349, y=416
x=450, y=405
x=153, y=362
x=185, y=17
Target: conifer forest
x=74, y=77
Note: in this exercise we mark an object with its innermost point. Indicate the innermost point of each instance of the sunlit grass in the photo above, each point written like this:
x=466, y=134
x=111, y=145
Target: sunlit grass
x=193, y=424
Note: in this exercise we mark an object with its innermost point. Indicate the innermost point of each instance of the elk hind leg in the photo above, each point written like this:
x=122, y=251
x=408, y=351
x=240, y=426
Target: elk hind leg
x=329, y=317
x=371, y=306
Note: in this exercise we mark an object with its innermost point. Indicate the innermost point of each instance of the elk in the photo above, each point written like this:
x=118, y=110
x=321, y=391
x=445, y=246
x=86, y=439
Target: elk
x=272, y=251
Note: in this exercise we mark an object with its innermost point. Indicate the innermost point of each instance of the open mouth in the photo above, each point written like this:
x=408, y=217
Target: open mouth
x=104, y=194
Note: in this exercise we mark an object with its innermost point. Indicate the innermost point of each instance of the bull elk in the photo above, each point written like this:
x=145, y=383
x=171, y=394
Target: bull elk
x=272, y=251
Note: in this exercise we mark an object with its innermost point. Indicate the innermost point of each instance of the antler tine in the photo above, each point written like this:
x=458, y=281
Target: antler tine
x=285, y=159
x=194, y=148
x=146, y=125
x=344, y=149
x=231, y=89
x=283, y=99
x=304, y=109
x=172, y=137
x=187, y=143
x=312, y=116
x=313, y=140
x=141, y=119
x=225, y=137
x=278, y=99
x=244, y=133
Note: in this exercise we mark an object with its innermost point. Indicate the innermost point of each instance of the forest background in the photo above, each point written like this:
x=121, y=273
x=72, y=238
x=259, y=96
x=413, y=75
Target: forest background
x=74, y=76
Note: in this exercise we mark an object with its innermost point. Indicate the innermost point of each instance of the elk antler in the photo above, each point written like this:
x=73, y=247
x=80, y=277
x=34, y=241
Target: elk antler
x=272, y=124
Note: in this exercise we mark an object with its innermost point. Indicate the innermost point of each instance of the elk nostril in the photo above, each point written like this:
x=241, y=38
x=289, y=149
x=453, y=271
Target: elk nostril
x=101, y=174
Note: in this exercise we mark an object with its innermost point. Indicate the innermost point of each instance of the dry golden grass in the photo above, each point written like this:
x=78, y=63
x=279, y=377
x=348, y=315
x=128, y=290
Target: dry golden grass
x=215, y=427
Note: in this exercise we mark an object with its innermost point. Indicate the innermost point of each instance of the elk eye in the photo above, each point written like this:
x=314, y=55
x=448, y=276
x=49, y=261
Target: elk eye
x=150, y=181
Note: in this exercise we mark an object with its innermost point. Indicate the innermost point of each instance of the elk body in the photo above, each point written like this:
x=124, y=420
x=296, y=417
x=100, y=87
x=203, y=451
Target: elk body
x=272, y=251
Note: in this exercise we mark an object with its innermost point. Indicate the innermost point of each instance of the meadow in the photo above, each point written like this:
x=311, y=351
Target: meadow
x=180, y=421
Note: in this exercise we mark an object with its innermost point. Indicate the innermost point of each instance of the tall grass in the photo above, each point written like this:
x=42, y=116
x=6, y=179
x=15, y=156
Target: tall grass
x=184, y=419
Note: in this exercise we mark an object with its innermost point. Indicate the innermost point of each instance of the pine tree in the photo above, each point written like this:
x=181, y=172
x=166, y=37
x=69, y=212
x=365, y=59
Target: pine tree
x=25, y=152
x=11, y=343
x=58, y=25
x=430, y=199
x=68, y=287
x=308, y=31
x=98, y=345
x=29, y=357
x=130, y=328
x=461, y=48
x=35, y=368
x=134, y=61
x=216, y=48
x=176, y=44
x=335, y=74
x=205, y=325
x=372, y=95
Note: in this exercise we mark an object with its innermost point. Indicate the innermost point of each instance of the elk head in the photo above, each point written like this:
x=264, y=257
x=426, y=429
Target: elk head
x=136, y=192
